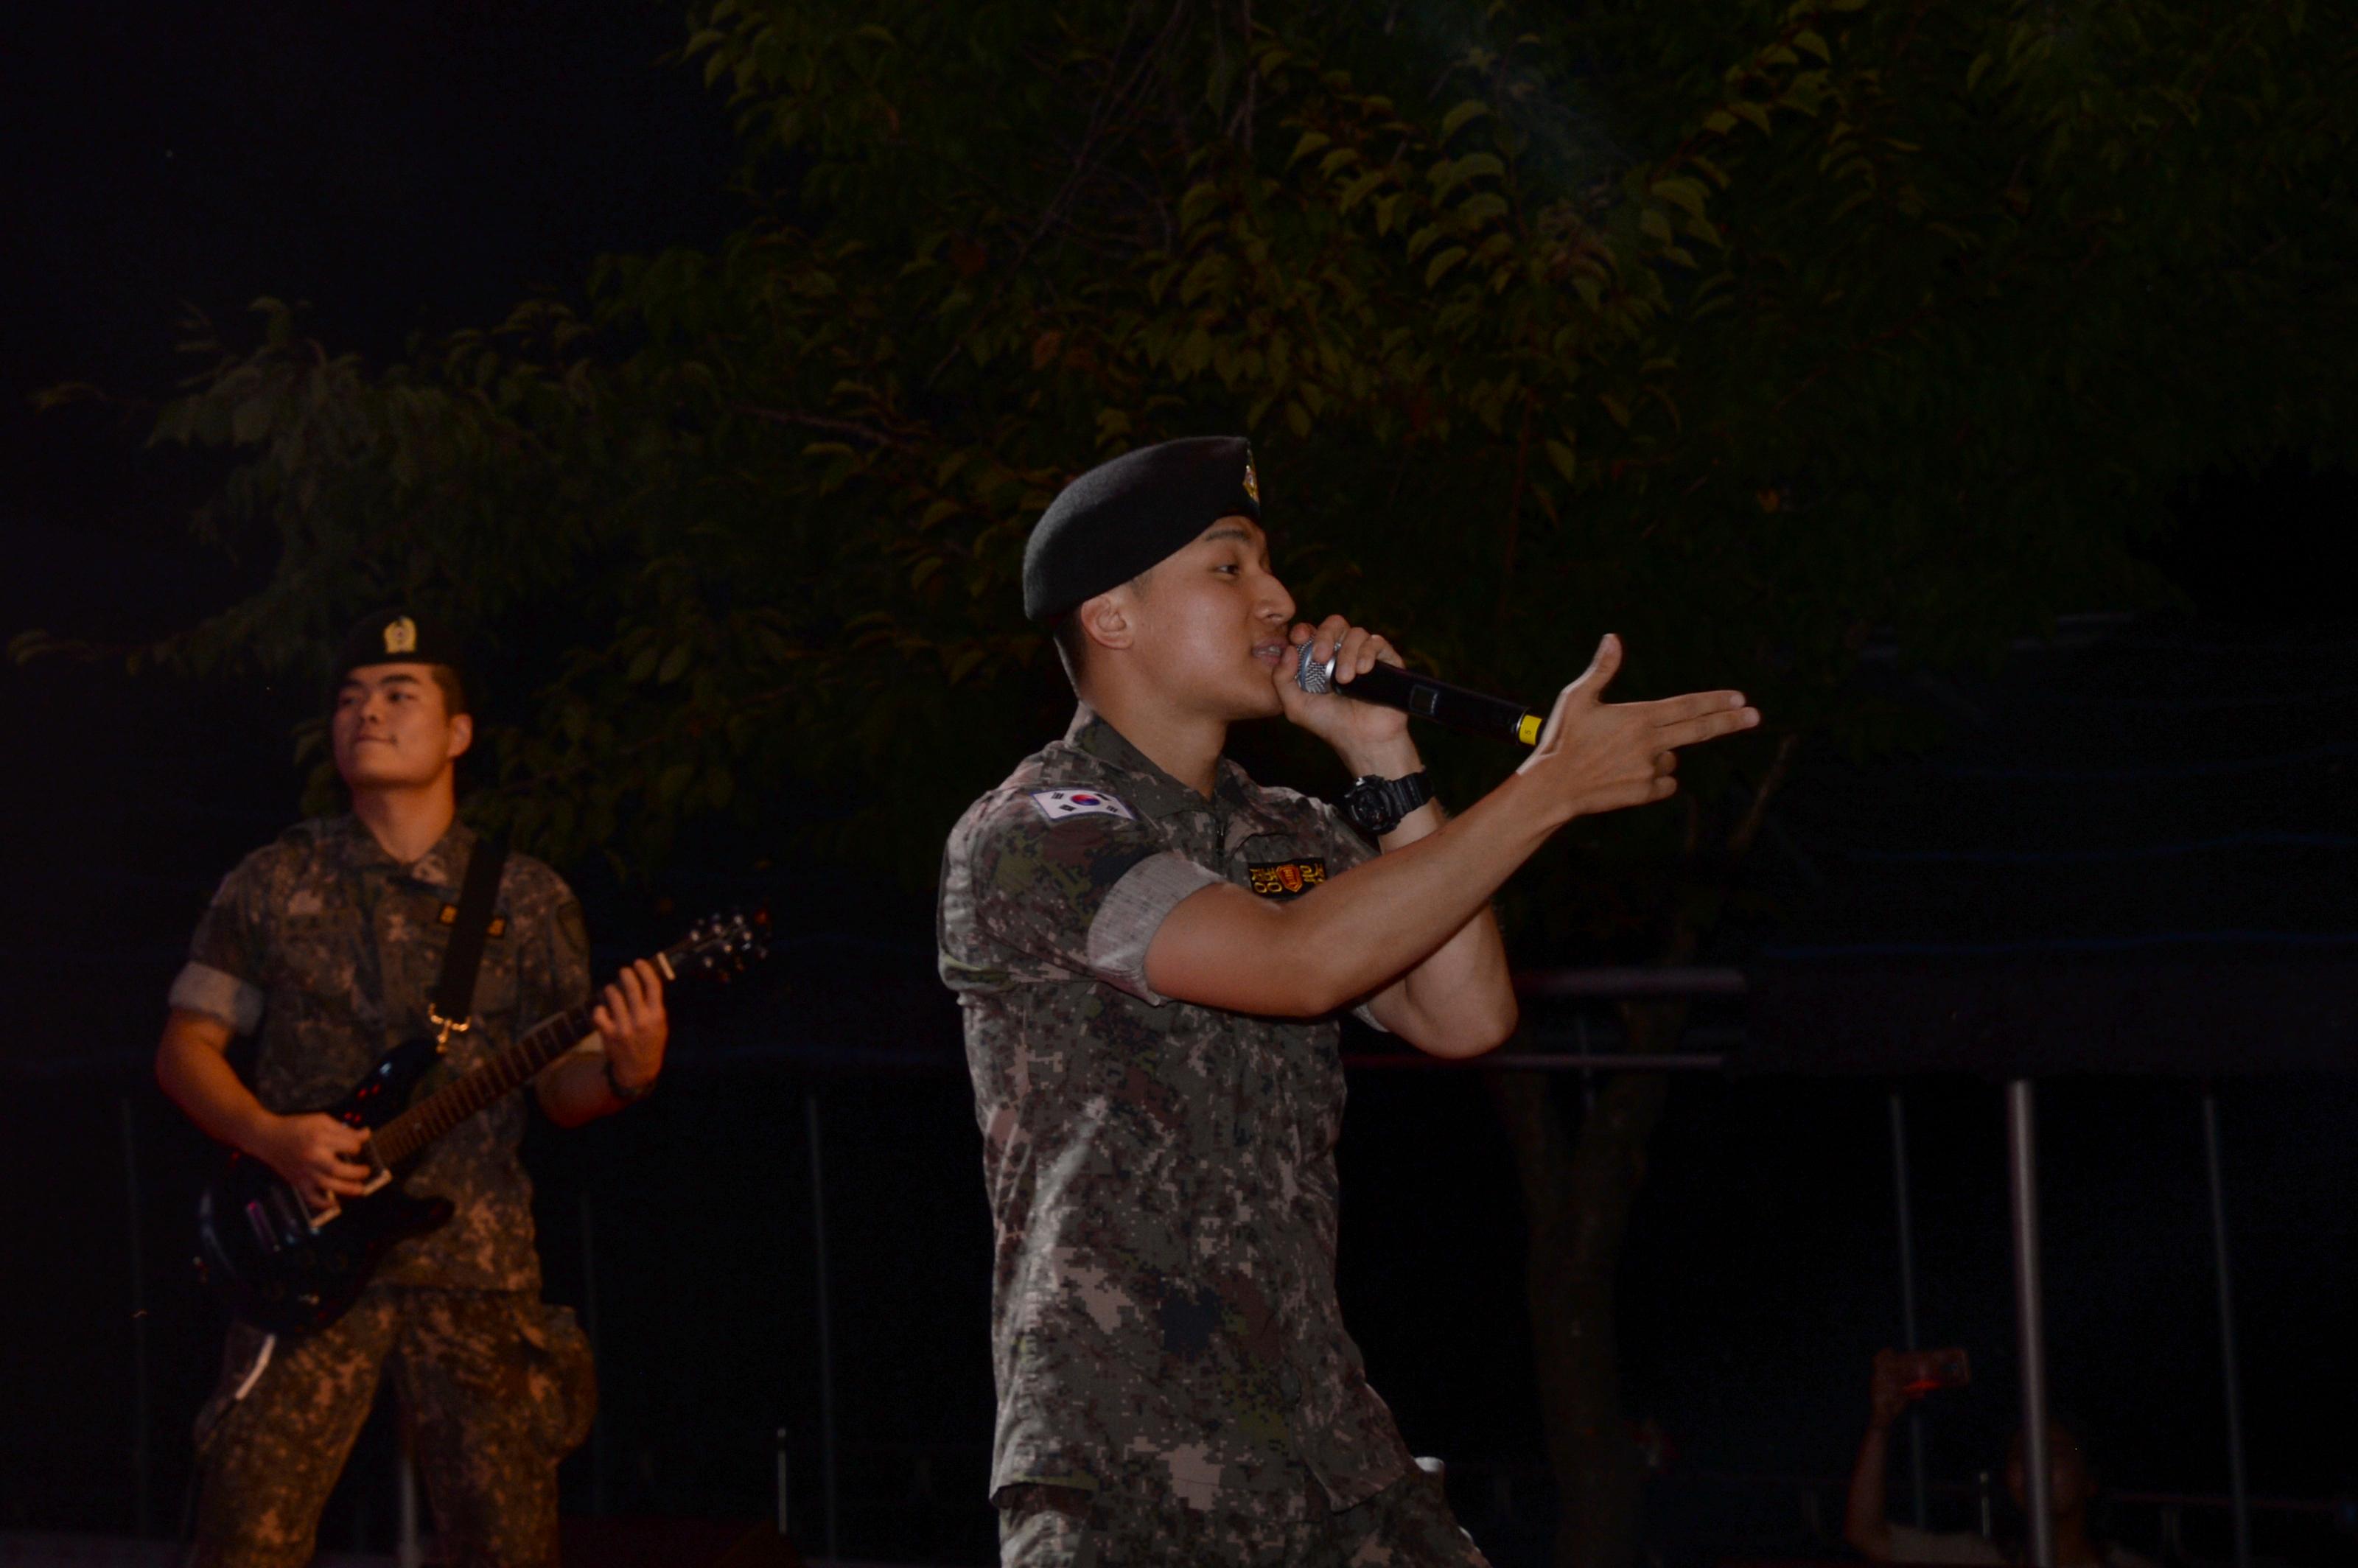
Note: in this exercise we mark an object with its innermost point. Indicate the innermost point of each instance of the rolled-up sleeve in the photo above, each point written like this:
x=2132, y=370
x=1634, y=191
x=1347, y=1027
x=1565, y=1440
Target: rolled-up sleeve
x=200, y=988
x=224, y=976
x=1133, y=911
x=1084, y=895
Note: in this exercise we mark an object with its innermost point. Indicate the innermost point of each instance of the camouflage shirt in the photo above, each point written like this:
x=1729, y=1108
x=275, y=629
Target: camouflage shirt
x=1161, y=1175
x=332, y=947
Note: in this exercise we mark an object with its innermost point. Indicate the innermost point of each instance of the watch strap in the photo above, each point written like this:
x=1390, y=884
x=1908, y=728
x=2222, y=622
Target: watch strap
x=1378, y=804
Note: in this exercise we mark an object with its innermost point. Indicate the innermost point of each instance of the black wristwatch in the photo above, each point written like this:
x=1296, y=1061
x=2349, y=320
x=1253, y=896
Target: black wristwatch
x=1376, y=805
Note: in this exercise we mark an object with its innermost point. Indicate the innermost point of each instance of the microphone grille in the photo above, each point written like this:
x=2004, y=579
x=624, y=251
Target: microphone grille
x=1311, y=676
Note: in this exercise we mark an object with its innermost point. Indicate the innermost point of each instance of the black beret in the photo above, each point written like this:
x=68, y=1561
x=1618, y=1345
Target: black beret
x=399, y=637
x=1122, y=517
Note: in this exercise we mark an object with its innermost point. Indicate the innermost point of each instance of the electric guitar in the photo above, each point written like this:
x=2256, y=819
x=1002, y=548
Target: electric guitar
x=289, y=1269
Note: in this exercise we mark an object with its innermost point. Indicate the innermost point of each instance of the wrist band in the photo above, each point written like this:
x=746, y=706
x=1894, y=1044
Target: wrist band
x=614, y=1085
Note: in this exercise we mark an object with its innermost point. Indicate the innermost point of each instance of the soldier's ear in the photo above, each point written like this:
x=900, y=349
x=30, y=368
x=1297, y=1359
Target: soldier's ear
x=1105, y=621
x=462, y=734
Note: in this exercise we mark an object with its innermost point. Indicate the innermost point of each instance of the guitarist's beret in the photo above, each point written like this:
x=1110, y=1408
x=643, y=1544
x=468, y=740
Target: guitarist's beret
x=399, y=636
x=402, y=637
x=1123, y=516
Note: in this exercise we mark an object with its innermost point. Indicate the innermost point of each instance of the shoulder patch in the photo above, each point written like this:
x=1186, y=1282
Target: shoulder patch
x=1057, y=804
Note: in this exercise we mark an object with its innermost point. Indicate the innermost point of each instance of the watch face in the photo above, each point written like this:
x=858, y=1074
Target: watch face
x=1366, y=807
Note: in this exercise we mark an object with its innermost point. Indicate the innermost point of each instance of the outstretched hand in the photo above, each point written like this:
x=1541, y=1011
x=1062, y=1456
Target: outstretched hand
x=1596, y=756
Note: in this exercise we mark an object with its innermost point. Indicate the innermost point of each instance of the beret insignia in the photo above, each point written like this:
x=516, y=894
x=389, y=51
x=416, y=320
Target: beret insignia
x=399, y=635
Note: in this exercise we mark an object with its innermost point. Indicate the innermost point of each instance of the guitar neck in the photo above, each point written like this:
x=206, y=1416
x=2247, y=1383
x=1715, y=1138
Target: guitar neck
x=513, y=1064
x=714, y=947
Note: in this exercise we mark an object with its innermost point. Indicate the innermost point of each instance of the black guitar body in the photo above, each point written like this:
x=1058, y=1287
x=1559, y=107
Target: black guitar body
x=283, y=1268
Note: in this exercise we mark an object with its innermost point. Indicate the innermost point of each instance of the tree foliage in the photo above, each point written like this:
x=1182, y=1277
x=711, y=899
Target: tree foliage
x=1748, y=332
x=1741, y=334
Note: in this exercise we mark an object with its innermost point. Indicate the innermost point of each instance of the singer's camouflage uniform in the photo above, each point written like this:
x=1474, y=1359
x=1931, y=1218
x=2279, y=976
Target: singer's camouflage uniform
x=332, y=948
x=1175, y=1380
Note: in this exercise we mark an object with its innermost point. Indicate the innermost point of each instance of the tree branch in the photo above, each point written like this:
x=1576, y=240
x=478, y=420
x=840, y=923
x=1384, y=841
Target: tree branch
x=1747, y=829
x=850, y=427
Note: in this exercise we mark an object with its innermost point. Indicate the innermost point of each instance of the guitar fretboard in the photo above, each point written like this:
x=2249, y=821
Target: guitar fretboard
x=508, y=1070
x=718, y=946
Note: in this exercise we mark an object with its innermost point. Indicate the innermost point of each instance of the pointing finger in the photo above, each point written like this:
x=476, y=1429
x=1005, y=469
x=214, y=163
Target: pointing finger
x=1710, y=726
x=1694, y=704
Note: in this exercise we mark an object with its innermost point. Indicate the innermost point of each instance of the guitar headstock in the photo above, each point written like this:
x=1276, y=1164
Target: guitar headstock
x=720, y=947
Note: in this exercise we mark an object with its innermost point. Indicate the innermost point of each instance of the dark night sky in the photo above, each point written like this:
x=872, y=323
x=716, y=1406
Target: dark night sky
x=415, y=168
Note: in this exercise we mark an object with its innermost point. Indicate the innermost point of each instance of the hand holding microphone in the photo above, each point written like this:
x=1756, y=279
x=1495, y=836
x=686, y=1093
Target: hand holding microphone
x=1370, y=737
x=1392, y=686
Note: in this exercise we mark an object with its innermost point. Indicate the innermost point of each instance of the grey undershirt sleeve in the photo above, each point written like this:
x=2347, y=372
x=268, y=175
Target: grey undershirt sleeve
x=216, y=993
x=1133, y=911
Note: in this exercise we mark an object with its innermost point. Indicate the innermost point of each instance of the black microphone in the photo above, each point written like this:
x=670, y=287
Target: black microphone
x=1426, y=697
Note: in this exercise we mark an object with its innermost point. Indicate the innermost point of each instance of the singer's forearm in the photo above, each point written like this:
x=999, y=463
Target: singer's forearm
x=1356, y=934
x=1459, y=1002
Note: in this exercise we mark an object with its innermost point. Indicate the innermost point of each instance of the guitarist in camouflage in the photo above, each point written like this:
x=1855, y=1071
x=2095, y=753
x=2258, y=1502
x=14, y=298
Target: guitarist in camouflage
x=328, y=942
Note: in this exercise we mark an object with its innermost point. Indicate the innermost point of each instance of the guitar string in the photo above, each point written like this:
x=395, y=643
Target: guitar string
x=453, y=1103
x=422, y=1123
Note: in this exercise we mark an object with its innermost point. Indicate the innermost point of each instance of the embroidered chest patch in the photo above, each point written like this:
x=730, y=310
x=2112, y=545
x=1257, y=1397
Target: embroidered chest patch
x=1285, y=879
x=1057, y=805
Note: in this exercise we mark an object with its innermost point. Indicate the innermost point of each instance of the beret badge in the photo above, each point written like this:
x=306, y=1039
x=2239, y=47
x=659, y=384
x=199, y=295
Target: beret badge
x=401, y=636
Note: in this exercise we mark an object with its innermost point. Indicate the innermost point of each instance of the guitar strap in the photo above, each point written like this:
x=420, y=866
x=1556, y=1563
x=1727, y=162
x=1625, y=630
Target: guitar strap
x=452, y=1008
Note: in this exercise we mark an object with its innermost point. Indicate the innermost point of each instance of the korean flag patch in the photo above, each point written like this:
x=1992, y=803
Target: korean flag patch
x=1060, y=805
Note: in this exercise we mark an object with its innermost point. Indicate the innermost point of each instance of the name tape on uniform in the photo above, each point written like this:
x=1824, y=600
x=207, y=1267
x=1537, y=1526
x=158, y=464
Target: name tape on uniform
x=1285, y=879
x=1057, y=805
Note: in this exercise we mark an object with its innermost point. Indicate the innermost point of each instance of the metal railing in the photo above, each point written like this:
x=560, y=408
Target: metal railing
x=1560, y=1051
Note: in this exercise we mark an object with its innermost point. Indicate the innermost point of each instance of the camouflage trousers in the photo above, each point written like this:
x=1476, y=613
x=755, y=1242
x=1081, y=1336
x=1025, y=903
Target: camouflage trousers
x=492, y=1387
x=1406, y=1525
